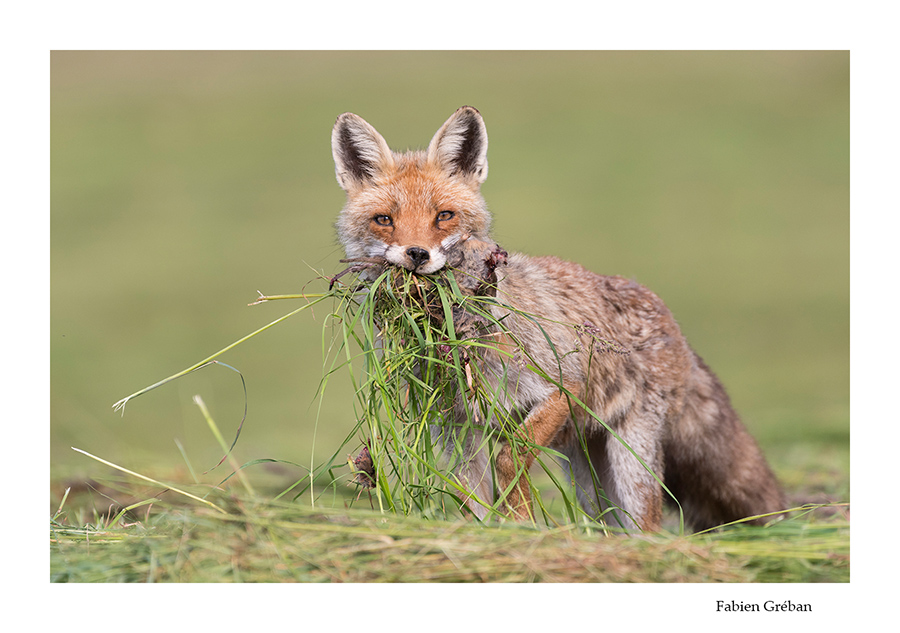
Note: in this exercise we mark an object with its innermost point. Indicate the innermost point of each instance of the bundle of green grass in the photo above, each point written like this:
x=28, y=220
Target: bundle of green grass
x=421, y=396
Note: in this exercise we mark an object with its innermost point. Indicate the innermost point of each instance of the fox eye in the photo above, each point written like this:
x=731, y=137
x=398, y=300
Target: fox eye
x=383, y=220
x=445, y=215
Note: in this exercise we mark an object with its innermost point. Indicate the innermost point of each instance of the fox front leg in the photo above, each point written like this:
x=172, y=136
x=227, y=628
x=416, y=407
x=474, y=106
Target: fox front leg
x=516, y=457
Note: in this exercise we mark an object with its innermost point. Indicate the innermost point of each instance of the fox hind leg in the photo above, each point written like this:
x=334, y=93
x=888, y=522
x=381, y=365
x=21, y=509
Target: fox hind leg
x=713, y=466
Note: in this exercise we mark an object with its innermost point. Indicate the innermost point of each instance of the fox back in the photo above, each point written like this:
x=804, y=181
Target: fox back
x=632, y=402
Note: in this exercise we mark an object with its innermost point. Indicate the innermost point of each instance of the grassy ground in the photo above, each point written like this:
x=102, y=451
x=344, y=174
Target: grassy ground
x=266, y=542
x=183, y=182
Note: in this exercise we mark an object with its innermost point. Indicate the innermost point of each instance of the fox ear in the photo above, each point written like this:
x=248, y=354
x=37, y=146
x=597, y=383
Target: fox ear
x=460, y=146
x=360, y=152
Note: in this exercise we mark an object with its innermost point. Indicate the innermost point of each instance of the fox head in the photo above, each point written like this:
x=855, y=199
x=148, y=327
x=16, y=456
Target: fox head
x=412, y=207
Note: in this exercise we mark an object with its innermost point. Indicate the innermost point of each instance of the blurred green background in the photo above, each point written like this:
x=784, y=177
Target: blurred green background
x=182, y=182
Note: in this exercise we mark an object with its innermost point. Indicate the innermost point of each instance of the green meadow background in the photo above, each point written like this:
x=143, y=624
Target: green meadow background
x=183, y=182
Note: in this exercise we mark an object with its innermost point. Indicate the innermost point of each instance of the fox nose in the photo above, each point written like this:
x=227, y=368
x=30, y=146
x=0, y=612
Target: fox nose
x=417, y=255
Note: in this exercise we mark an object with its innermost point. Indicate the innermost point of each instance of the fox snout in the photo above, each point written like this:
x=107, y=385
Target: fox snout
x=416, y=258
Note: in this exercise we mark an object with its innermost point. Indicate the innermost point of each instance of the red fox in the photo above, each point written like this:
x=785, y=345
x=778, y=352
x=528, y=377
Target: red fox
x=660, y=398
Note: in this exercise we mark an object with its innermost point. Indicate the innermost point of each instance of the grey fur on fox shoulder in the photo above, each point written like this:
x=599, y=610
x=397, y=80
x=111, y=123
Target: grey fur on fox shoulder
x=412, y=209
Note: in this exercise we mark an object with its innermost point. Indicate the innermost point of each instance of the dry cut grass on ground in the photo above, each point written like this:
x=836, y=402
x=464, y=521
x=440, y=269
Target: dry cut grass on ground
x=284, y=542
